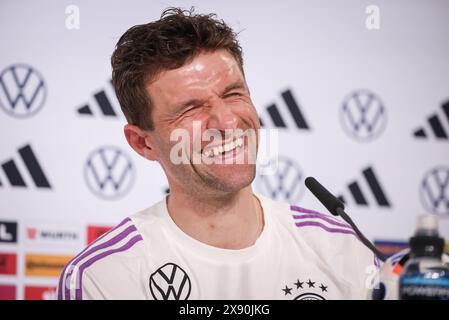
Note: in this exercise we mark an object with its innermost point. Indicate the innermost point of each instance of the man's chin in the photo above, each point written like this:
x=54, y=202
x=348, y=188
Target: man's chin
x=231, y=181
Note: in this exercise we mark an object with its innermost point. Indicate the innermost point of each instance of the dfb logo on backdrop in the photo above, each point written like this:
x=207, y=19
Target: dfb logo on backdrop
x=434, y=191
x=22, y=90
x=363, y=115
x=170, y=282
x=286, y=184
x=109, y=172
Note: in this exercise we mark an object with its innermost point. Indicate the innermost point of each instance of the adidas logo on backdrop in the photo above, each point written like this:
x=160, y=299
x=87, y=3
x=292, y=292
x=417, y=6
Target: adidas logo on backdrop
x=13, y=170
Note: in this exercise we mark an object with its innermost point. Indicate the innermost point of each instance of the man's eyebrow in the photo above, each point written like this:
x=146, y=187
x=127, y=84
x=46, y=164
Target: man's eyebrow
x=181, y=106
x=235, y=85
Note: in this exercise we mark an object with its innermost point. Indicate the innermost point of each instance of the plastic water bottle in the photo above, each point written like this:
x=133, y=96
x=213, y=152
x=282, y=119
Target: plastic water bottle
x=424, y=276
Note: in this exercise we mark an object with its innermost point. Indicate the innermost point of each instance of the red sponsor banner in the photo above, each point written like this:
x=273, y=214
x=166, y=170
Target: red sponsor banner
x=7, y=292
x=8, y=263
x=40, y=293
x=94, y=232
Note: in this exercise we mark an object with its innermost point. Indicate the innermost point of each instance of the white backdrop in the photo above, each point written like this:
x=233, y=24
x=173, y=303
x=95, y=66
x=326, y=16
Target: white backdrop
x=321, y=52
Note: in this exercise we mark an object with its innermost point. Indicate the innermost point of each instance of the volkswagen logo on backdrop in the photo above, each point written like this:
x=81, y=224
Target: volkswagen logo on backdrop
x=363, y=115
x=109, y=172
x=285, y=184
x=22, y=90
x=434, y=191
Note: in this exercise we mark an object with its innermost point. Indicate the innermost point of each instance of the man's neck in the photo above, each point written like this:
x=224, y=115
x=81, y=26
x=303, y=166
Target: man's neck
x=230, y=221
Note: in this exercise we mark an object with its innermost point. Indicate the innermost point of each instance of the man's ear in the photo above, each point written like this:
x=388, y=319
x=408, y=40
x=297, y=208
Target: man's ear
x=140, y=141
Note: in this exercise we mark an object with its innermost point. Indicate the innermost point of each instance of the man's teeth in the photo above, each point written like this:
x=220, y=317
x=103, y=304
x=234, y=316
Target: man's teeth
x=225, y=148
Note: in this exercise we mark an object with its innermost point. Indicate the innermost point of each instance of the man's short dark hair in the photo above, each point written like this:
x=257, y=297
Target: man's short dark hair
x=146, y=50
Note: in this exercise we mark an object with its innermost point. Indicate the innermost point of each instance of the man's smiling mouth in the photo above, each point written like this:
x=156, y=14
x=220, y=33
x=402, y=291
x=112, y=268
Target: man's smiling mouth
x=212, y=151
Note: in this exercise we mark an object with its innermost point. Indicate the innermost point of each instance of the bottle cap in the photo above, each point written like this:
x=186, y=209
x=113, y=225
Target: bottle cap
x=427, y=225
x=426, y=242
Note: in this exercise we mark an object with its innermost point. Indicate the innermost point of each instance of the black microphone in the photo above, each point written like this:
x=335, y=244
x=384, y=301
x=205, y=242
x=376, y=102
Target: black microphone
x=337, y=208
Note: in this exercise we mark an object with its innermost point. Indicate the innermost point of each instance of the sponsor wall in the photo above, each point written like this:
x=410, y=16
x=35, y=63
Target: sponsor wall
x=364, y=110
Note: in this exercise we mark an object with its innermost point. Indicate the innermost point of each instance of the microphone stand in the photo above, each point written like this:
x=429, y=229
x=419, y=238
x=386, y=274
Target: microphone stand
x=362, y=238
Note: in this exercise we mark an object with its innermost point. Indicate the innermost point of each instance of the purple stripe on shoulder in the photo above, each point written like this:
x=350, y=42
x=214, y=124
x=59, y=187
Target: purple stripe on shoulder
x=318, y=214
x=331, y=230
x=88, y=250
x=63, y=278
x=308, y=211
x=104, y=245
x=322, y=217
x=79, y=291
x=302, y=210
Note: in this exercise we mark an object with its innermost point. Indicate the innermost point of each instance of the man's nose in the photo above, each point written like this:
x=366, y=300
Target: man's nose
x=221, y=117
